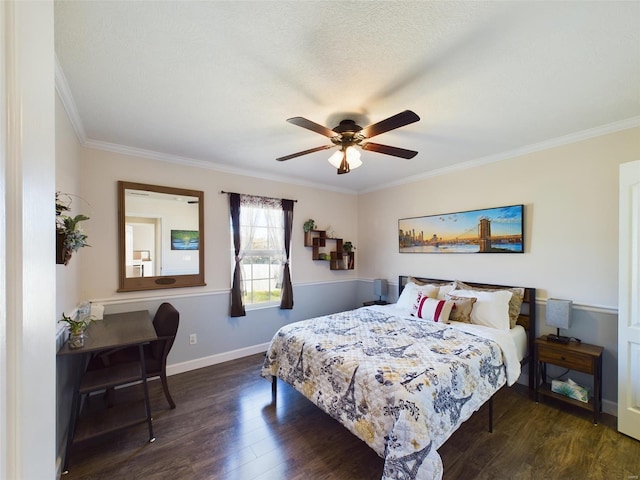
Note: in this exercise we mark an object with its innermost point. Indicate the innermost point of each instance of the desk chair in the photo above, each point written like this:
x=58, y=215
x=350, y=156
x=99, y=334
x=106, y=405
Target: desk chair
x=165, y=322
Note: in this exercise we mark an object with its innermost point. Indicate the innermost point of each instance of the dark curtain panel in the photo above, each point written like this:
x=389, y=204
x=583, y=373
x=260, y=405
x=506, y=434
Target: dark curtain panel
x=287, y=289
x=237, y=308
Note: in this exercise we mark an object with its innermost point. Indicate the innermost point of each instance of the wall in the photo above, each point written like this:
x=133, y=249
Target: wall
x=570, y=195
x=204, y=310
x=67, y=276
x=68, y=181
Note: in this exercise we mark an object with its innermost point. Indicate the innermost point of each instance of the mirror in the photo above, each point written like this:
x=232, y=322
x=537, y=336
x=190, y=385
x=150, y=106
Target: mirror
x=160, y=237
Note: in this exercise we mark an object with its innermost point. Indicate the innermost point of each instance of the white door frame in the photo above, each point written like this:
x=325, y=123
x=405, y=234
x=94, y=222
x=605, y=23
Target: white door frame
x=629, y=301
x=27, y=241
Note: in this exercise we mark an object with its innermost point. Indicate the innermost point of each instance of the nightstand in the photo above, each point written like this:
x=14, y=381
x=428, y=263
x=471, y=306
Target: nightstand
x=580, y=357
x=375, y=302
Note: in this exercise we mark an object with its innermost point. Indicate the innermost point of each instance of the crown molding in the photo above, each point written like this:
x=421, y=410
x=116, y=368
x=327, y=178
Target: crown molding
x=191, y=162
x=69, y=104
x=613, y=127
x=64, y=92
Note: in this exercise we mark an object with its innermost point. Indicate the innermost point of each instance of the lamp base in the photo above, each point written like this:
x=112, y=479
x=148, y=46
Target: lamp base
x=558, y=339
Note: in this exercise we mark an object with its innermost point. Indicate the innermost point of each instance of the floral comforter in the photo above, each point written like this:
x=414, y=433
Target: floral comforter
x=400, y=384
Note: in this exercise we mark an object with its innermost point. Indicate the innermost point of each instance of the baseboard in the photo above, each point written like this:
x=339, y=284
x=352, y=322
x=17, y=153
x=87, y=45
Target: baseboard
x=610, y=407
x=182, y=367
x=58, y=467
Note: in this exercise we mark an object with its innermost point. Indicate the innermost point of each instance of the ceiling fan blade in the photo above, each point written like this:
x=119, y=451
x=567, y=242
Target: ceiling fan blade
x=313, y=126
x=299, y=154
x=399, y=120
x=387, y=150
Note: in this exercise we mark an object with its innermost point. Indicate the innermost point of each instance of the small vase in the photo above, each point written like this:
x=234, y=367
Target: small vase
x=76, y=340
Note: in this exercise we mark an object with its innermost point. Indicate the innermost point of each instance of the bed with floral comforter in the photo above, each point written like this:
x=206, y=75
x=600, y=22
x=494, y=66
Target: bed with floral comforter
x=400, y=384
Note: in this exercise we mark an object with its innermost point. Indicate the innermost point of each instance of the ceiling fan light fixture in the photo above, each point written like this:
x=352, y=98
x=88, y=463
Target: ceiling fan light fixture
x=352, y=157
x=336, y=159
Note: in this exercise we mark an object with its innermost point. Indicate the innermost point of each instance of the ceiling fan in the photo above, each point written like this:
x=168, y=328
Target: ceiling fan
x=348, y=135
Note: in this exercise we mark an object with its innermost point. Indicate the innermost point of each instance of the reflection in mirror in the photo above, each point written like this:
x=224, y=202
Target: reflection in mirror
x=161, y=237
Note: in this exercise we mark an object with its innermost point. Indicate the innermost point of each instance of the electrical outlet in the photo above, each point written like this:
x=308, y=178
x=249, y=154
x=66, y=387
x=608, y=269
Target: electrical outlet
x=193, y=339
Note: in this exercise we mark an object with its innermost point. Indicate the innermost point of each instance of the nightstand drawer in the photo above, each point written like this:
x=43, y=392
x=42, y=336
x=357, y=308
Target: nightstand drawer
x=564, y=358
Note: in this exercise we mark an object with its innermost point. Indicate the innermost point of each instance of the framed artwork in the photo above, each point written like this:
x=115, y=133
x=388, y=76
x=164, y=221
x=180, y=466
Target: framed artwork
x=491, y=230
x=185, y=239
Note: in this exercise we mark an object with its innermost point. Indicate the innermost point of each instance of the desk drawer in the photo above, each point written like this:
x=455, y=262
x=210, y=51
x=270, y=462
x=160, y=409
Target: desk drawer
x=564, y=358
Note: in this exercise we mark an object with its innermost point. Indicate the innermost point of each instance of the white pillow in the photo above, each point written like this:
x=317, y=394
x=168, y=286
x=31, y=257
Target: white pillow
x=411, y=292
x=444, y=289
x=433, y=310
x=491, y=308
x=407, y=296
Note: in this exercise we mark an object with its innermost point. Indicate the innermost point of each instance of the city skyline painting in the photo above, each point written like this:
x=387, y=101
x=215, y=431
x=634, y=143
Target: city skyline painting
x=490, y=230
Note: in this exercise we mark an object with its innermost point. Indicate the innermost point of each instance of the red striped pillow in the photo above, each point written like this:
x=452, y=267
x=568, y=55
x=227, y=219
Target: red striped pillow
x=434, y=310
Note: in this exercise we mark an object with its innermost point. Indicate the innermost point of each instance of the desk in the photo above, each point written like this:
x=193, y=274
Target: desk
x=115, y=331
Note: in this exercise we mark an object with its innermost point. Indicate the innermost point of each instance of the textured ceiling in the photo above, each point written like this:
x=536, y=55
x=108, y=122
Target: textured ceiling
x=213, y=82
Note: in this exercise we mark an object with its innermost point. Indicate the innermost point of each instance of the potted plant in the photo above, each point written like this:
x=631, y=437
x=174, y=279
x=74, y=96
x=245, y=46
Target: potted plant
x=76, y=329
x=347, y=248
x=309, y=225
x=69, y=235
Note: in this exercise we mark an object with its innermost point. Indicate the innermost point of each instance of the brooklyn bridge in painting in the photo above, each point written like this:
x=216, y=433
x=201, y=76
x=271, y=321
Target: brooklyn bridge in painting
x=495, y=230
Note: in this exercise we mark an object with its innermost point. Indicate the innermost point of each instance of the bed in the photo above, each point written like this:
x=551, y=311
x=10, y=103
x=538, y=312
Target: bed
x=403, y=377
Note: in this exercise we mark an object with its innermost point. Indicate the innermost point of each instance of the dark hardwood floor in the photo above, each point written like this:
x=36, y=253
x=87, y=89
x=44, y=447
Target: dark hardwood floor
x=225, y=427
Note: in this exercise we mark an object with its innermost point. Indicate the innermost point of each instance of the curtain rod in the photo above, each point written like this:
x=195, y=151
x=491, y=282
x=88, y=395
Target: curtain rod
x=261, y=196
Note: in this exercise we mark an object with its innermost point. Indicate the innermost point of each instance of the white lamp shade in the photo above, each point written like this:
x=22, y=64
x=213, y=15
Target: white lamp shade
x=353, y=158
x=336, y=159
x=379, y=287
x=558, y=313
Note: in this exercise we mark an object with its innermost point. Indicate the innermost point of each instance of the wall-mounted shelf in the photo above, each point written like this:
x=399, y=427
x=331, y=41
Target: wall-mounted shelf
x=338, y=259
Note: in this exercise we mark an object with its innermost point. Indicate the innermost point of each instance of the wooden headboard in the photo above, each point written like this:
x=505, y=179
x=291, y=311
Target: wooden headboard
x=527, y=316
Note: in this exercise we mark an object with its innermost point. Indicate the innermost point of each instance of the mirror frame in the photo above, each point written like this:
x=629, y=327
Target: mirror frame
x=131, y=284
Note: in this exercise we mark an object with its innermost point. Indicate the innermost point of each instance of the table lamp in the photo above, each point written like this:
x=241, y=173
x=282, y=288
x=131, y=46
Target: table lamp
x=379, y=288
x=559, y=316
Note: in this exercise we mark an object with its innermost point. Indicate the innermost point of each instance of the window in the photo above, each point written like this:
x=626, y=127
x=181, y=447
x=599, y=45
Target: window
x=261, y=238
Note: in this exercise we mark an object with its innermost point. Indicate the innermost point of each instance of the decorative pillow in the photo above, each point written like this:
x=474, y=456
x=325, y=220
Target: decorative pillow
x=433, y=310
x=424, y=291
x=420, y=283
x=409, y=296
x=517, y=297
x=462, y=307
x=515, y=303
x=444, y=290
x=491, y=308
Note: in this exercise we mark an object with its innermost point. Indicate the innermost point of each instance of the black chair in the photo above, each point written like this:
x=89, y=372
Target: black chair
x=165, y=322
